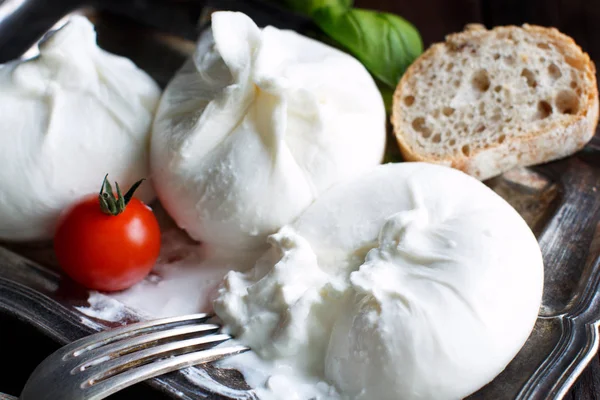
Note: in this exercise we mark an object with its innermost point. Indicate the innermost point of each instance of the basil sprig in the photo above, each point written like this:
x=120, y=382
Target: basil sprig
x=385, y=43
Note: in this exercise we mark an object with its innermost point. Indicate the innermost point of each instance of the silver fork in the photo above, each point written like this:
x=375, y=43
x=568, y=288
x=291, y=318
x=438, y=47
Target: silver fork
x=99, y=365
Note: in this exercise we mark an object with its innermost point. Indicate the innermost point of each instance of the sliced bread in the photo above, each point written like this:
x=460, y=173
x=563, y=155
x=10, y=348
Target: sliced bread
x=486, y=101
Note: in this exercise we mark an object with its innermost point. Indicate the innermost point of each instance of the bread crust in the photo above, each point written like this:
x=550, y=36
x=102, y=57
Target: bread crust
x=535, y=147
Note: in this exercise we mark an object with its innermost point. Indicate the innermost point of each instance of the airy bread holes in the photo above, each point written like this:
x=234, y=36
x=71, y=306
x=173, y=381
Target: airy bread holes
x=501, y=139
x=466, y=150
x=567, y=102
x=448, y=111
x=418, y=125
x=554, y=71
x=544, y=110
x=507, y=36
x=481, y=81
x=409, y=100
x=497, y=89
x=496, y=56
x=530, y=77
x=544, y=46
x=480, y=128
x=437, y=138
x=449, y=67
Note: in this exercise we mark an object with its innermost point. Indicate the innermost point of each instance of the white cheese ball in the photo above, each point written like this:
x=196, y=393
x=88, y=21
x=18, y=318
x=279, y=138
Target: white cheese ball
x=425, y=285
x=67, y=117
x=255, y=126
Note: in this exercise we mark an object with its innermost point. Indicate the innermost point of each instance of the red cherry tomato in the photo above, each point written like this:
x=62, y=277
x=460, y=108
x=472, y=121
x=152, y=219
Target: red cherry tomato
x=105, y=248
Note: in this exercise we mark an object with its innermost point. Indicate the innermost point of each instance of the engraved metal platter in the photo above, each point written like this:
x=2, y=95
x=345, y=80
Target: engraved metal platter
x=560, y=201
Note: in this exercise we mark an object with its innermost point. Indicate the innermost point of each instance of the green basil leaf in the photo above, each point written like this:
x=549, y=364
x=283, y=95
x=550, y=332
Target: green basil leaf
x=387, y=94
x=309, y=7
x=385, y=43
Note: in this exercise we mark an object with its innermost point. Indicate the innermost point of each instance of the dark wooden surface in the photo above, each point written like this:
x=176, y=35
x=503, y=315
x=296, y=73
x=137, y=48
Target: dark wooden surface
x=579, y=19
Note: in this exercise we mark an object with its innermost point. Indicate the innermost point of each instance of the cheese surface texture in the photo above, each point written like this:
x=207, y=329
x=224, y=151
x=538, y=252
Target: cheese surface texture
x=412, y=282
x=255, y=126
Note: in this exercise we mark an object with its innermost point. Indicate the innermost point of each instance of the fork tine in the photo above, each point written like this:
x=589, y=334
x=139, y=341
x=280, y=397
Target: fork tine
x=135, y=343
x=81, y=346
x=147, y=371
x=104, y=370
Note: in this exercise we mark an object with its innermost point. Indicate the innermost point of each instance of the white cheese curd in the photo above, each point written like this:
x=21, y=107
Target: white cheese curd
x=412, y=282
x=67, y=117
x=255, y=126
x=278, y=306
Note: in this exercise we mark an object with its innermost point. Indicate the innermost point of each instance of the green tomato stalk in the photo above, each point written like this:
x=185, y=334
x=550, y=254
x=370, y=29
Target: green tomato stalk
x=115, y=205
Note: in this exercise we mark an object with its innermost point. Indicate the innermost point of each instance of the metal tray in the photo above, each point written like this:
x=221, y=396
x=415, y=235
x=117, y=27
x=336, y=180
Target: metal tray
x=560, y=201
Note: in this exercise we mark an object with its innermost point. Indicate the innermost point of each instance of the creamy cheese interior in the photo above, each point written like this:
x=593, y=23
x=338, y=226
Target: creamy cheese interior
x=414, y=281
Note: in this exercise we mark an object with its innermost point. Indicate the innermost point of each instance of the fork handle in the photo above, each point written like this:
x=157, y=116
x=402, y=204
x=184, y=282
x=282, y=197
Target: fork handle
x=128, y=378
x=553, y=379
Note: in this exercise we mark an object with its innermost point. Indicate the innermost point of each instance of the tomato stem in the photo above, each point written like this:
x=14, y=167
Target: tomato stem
x=111, y=204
